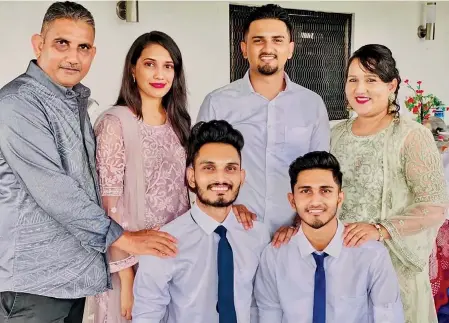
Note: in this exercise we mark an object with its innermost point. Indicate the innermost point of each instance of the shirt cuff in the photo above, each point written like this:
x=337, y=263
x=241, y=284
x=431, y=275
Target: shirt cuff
x=115, y=231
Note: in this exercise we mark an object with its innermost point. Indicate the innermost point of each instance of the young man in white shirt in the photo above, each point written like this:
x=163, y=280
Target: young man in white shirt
x=279, y=118
x=314, y=278
x=211, y=278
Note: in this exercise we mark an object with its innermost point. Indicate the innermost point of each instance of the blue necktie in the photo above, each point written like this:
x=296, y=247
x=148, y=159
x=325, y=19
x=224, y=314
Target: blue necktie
x=225, y=265
x=319, y=295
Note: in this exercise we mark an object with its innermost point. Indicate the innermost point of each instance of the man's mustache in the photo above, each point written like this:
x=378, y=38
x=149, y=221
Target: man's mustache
x=71, y=67
x=268, y=54
x=317, y=207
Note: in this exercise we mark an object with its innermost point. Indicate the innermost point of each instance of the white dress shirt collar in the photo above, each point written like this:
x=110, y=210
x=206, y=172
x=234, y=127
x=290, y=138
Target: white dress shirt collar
x=333, y=249
x=207, y=223
x=248, y=87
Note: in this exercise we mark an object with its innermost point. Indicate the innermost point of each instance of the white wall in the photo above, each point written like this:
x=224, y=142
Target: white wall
x=201, y=31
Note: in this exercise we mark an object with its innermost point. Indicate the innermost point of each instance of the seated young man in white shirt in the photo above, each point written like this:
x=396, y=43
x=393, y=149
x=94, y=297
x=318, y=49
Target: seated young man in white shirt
x=314, y=278
x=211, y=278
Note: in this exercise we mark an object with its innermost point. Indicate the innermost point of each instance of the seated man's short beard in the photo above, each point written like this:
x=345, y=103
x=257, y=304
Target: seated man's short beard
x=220, y=202
x=318, y=224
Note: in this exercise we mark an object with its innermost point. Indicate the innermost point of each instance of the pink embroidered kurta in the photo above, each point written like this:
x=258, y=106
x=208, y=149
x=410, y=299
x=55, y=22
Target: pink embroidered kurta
x=165, y=191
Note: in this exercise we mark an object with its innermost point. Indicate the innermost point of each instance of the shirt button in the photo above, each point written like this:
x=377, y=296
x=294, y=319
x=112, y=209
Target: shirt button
x=70, y=94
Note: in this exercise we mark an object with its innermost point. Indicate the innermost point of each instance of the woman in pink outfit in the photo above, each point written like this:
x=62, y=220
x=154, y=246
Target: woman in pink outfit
x=141, y=161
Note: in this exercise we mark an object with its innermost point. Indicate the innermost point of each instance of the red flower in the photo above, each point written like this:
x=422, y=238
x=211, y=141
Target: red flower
x=412, y=100
x=419, y=82
x=415, y=110
x=406, y=81
x=420, y=91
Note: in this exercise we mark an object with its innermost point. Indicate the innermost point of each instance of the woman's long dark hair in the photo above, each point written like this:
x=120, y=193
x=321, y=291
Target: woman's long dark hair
x=175, y=101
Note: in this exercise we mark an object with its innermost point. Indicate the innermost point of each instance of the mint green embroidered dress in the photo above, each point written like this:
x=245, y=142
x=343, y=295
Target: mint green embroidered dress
x=396, y=178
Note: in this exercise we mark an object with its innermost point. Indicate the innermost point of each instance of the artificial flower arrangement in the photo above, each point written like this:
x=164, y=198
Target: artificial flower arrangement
x=424, y=105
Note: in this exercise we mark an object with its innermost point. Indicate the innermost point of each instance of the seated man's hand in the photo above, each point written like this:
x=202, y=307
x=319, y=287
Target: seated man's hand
x=283, y=235
x=244, y=216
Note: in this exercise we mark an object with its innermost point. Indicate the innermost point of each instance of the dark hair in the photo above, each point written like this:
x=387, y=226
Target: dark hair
x=315, y=160
x=67, y=10
x=175, y=101
x=379, y=60
x=269, y=11
x=214, y=131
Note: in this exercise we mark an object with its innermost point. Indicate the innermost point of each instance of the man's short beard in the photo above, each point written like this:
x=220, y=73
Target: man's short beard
x=318, y=224
x=267, y=69
x=219, y=203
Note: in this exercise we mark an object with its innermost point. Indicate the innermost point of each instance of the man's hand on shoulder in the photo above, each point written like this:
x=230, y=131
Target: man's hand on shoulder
x=148, y=242
x=244, y=216
x=283, y=235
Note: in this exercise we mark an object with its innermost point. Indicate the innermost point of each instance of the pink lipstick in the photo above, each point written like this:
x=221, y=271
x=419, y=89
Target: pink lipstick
x=158, y=85
x=362, y=99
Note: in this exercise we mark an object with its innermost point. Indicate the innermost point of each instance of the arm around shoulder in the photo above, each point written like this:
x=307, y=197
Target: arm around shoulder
x=28, y=146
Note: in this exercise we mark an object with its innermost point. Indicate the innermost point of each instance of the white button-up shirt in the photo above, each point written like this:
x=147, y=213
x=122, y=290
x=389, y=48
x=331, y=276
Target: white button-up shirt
x=361, y=283
x=184, y=289
x=276, y=132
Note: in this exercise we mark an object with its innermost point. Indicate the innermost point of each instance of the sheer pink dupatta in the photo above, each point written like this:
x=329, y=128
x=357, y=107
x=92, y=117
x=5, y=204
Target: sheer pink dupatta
x=129, y=208
x=123, y=198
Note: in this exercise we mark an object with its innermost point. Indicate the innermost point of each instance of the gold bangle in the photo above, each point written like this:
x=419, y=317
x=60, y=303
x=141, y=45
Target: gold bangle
x=379, y=228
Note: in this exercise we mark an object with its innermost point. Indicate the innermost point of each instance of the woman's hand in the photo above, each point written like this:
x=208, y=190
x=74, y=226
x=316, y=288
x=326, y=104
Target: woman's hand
x=356, y=234
x=126, y=292
x=126, y=302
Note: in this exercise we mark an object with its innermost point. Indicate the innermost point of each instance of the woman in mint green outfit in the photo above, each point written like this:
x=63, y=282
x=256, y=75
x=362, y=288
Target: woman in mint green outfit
x=393, y=177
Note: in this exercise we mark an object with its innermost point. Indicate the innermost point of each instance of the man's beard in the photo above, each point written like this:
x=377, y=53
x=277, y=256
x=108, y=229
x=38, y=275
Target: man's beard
x=220, y=202
x=318, y=224
x=267, y=69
